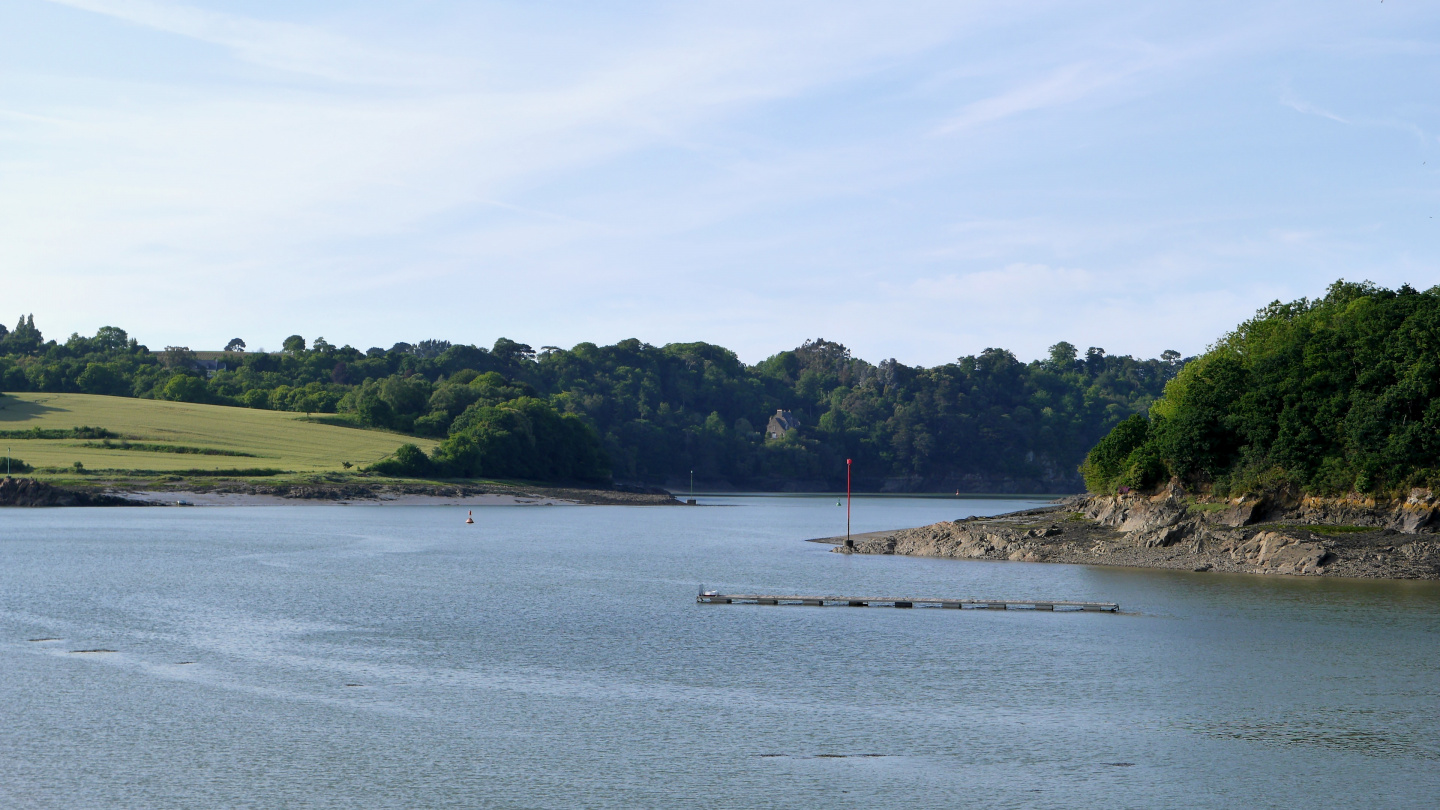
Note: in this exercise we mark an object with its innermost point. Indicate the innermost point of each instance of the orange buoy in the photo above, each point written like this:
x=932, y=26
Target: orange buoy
x=470, y=518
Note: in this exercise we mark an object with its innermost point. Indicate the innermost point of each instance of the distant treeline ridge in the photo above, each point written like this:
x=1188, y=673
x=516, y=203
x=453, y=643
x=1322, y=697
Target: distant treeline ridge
x=651, y=414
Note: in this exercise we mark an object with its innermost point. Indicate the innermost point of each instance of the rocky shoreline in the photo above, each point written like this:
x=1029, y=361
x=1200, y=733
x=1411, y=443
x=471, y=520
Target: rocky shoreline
x=33, y=492
x=1350, y=537
x=30, y=492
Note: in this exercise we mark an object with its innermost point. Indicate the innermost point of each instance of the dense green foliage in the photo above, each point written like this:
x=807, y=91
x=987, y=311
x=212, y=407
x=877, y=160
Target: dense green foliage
x=519, y=438
x=650, y=413
x=983, y=422
x=1328, y=396
x=1123, y=458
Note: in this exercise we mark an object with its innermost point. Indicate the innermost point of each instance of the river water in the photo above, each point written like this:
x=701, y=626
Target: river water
x=554, y=657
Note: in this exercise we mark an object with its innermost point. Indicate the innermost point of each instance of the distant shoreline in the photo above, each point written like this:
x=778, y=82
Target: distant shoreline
x=186, y=498
x=30, y=492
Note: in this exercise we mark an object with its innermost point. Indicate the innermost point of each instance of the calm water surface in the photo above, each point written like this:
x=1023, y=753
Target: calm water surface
x=353, y=656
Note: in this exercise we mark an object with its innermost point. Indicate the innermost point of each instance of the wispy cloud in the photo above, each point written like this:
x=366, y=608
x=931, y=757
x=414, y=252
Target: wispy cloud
x=745, y=171
x=1289, y=99
x=282, y=46
x=1064, y=85
x=1048, y=85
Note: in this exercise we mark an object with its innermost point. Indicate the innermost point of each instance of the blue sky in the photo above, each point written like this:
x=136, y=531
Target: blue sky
x=917, y=180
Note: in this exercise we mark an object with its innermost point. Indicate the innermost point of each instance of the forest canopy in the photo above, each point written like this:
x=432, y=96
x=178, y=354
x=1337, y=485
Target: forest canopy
x=1330, y=396
x=650, y=414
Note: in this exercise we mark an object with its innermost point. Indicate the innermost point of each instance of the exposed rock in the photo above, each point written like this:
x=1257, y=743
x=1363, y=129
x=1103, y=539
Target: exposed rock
x=1166, y=531
x=1273, y=552
x=1160, y=537
x=1419, y=513
x=1240, y=514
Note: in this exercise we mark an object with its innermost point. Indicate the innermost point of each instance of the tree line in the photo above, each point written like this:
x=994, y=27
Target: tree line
x=651, y=414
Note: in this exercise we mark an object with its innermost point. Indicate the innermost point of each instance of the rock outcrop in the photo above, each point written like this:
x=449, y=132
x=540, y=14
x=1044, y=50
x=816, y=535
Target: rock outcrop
x=1278, y=553
x=1303, y=537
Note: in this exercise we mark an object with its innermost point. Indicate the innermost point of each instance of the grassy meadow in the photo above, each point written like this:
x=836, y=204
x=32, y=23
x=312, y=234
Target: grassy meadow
x=244, y=438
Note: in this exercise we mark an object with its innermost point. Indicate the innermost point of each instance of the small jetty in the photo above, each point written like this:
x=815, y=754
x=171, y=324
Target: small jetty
x=714, y=598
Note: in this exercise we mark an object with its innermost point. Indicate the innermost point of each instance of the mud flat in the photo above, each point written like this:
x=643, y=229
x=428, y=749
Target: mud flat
x=1294, y=537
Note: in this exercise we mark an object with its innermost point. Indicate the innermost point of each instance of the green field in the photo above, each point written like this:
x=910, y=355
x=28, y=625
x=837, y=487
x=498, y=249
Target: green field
x=267, y=439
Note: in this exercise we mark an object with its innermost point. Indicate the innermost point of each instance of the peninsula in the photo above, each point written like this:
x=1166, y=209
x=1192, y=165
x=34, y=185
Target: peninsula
x=1303, y=443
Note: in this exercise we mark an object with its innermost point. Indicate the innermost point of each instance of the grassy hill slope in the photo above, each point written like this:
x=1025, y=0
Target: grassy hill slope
x=272, y=439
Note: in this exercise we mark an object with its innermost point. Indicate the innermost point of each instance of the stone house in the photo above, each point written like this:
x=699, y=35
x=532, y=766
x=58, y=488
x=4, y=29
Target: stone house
x=781, y=423
x=209, y=366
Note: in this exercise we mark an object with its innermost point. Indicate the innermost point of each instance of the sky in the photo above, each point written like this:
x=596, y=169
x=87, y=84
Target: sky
x=917, y=180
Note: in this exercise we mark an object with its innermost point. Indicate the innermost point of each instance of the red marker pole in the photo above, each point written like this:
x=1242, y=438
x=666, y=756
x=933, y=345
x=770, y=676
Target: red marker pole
x=847, y=502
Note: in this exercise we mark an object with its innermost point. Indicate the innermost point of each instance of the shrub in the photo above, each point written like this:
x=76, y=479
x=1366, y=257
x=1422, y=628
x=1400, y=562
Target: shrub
x=408, y=461
x=522, y=438
x=1109, y=461
x=184, y=388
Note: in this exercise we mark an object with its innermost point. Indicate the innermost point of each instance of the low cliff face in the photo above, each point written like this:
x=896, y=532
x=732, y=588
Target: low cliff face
x=1304, y=537
x=1418, y=513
